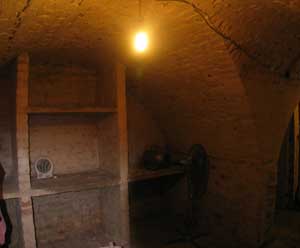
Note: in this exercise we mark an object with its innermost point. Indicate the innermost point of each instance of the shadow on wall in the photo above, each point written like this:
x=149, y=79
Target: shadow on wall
x=289, y=166
x=285, y=171
x=3, y=207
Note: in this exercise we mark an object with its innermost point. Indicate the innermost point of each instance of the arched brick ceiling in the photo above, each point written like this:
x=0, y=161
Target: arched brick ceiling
x=268, y=29
x=184, y=52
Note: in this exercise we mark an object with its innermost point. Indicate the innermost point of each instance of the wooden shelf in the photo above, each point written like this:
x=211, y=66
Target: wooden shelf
x=144, y=174
x=55, y=110
x=72, y=183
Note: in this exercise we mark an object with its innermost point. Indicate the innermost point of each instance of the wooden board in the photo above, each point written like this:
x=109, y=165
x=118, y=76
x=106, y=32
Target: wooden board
x=142, y=174
x=120, y=78
x=72, y=183
x=22, y=144
x=55, y=110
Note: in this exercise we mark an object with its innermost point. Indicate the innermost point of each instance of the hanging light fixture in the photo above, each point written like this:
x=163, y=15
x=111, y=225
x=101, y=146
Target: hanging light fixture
x=141, y=39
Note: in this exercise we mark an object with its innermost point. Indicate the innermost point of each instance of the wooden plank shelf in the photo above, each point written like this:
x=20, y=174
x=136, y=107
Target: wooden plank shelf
x=81, y=110
x=143, y=174
x=72, y=183
x=101, y=141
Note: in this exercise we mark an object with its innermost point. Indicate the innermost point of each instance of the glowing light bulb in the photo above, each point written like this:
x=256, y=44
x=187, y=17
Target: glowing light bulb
x=141, y=42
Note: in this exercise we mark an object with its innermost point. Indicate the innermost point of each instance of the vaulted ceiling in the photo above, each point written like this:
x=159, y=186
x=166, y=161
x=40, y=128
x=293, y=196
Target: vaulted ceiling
x=266, y=29
x=189, y=62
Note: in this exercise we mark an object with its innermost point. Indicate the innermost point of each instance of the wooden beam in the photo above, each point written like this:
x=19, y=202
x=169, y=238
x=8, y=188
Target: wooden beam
x=142, y=175
x=122, y=121
x=123, y=144
x=22, y=143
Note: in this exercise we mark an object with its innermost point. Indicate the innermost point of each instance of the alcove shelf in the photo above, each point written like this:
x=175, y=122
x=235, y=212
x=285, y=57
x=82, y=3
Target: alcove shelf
x=75, y=115
x=56, y=110
x=82, y=147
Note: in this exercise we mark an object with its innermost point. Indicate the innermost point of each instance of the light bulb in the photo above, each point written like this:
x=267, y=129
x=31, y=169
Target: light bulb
x=141, y=42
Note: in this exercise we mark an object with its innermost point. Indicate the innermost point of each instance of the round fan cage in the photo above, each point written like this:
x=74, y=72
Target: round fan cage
x=44, y=168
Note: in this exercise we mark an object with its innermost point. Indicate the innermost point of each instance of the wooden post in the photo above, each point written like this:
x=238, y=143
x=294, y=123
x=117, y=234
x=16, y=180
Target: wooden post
x=123, y=142
x=22, y=142
x=296, y=148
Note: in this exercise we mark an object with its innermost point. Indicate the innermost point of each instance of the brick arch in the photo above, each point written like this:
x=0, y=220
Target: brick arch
x=272, y=100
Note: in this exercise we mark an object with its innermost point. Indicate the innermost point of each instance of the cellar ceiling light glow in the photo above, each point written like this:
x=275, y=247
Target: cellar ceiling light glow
x=141, y=41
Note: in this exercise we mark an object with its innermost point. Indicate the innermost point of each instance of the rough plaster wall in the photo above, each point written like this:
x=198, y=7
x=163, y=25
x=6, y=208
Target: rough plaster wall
x=56, y=215
x=143, y=131
x=62, y=86
x=7, y=113
x=69, y=141
x=108, y=144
